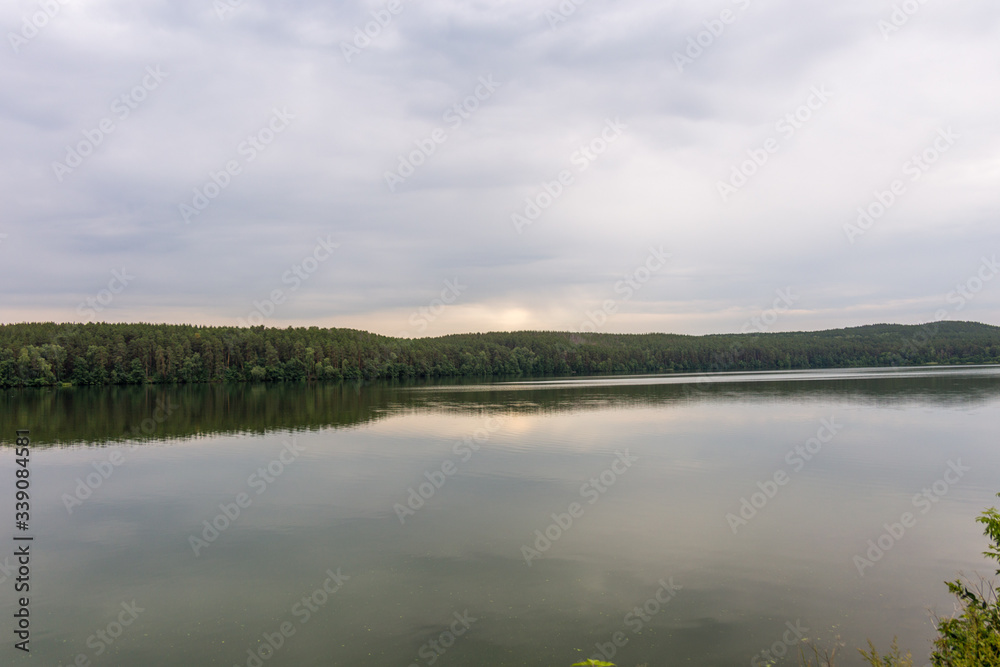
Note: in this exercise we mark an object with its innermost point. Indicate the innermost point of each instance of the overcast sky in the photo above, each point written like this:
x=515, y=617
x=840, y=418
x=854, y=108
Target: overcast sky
x=712, y=153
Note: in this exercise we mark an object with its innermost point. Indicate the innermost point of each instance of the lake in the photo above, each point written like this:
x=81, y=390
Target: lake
x=668, y=520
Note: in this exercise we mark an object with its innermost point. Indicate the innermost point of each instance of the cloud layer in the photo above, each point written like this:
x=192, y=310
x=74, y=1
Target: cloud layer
x=532, y=155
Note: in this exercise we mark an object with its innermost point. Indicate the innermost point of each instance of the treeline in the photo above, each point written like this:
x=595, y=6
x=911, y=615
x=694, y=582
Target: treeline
x=44, y=354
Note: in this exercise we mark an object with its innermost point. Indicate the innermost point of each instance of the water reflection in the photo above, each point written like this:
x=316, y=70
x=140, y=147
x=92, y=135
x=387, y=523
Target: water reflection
x=365, y=450
x=62, y=416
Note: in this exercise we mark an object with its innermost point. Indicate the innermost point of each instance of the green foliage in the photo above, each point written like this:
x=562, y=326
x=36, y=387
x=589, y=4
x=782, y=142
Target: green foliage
x=893, y=658
x=972, y=637
x=47, y=354
x=991, y=519
x=819, y=657
x=969, y=639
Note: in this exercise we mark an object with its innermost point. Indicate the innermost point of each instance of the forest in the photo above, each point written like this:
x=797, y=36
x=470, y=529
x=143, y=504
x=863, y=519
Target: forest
x=47, y=354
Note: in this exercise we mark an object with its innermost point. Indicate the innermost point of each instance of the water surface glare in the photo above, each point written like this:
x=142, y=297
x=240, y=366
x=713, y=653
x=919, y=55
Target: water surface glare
x=669, y=520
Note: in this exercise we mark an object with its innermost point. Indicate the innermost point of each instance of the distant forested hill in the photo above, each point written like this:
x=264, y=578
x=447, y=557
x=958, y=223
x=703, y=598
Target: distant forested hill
x=95, y=354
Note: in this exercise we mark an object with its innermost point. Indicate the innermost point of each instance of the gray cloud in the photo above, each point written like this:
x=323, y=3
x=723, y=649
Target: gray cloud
x=657, y=184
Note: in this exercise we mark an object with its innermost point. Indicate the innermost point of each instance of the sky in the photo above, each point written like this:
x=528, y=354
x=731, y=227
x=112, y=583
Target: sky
x=420, y=169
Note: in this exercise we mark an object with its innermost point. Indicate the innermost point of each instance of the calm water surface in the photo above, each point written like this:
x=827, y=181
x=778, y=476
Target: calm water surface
x=526, y=523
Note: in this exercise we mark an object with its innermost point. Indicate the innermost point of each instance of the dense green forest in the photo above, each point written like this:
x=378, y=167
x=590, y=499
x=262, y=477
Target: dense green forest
x=41, y=354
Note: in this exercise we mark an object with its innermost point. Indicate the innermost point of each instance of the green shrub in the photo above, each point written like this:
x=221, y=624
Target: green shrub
x=972, y=638
x=891, y=659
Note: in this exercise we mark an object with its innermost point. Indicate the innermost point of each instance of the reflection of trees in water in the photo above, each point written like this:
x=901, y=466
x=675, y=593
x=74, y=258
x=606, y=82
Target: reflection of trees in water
x=86, y=415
